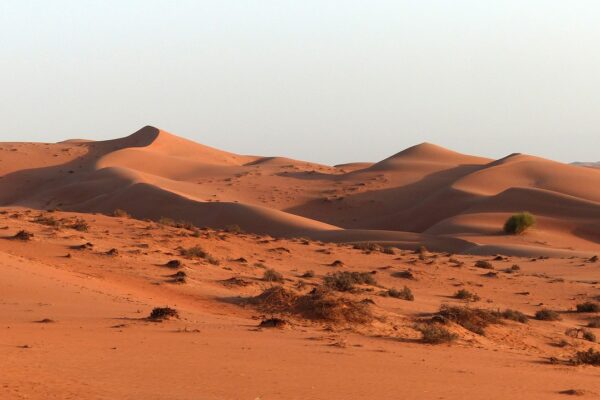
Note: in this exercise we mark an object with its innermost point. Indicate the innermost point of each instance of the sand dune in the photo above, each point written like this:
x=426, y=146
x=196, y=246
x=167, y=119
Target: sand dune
x=424, y=194
x=290, y=279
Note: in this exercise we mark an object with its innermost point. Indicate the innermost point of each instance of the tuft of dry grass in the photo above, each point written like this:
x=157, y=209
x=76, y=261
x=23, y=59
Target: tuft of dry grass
x=435, y=334
x=163, y=313
x=22, y=235
x=405, y=293
x=321, y=304
x=345, y=281
x=270, y=275
x=590, y=357
x=588, y=307
x=472, y=319
x=547, y=315
x=464, y=294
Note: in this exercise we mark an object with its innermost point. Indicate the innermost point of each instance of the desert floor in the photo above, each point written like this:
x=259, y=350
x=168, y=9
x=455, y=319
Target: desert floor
x=75, y=299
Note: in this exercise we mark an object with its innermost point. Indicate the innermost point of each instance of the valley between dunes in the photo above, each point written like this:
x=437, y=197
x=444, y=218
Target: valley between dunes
x=291, y=280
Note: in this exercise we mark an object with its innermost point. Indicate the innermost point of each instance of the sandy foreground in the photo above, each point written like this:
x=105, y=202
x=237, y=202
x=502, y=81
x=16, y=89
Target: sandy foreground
x=286, y=279
x=74, y=318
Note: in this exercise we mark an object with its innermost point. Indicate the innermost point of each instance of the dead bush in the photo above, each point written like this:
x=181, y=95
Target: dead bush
x=344, y=281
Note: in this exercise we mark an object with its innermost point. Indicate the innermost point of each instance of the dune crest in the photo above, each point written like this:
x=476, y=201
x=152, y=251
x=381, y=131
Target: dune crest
x=423, y=194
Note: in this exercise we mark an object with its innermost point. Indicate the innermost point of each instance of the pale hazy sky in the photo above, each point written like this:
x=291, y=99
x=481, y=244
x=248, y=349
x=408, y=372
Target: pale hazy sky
x=327, y=81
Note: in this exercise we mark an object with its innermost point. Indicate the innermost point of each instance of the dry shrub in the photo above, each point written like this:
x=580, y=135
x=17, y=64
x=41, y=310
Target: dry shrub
x=404, y=294
x=591, y=357
x=484, y=264
x=198, y=252
x=404, y=275
x=270, y=275
x=344, y=281
x=163, y=313
x=321, y=304
x=547, y=315
x=22, y=235
x=121, y=213
x=464, y=294
x=588, y=307
x=273, y=323
x=275, y=299
x=368, y=247
x=48, y=221
x=435, y=334
x=472, y=319
x=79, y=225
x=514, y=315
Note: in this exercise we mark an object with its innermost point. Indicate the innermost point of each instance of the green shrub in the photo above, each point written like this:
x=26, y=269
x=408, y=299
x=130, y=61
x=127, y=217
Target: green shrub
x=519, y=223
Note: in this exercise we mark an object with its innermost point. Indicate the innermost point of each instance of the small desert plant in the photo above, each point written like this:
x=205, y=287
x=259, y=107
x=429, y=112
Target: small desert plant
x=121, y=213
x=322, y=304
x=589, y=336
x=514, y=315
x=588, y=307
x=23, y=235
x=547, y=315
x=270, y=275
x=464, y=294
x=173, y=264
x=193, y=252
x=368, y=247
x=389, y=250
x=404, y=275
x=166, y=221
x=591, y=357
x=308, y=274
x=48, y=221
x=344, y=281
x=404, y=294
x=79, y=225
x=514, y=268
x=484, y=264
x=473, y=319
x=198, y=252
x=594, y=323
x=178, y=277
x=163, y=313
x=273, y=323
x=435, y=334
x=519, y=223
x=233, y=229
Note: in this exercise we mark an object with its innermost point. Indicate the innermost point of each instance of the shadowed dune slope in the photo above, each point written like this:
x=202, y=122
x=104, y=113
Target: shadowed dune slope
x=423, y=195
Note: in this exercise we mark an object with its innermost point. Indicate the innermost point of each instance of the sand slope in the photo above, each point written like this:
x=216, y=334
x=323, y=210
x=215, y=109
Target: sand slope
x=423, y=195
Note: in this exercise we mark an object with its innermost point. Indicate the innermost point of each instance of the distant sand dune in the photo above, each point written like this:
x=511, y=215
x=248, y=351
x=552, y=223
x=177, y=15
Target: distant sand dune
x=423, y=195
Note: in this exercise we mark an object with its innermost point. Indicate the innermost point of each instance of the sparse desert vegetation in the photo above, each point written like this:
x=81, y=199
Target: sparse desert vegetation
x=519, y=223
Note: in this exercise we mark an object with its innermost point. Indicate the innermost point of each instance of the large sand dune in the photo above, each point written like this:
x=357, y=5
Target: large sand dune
x=79, y=283
x=423, y=195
